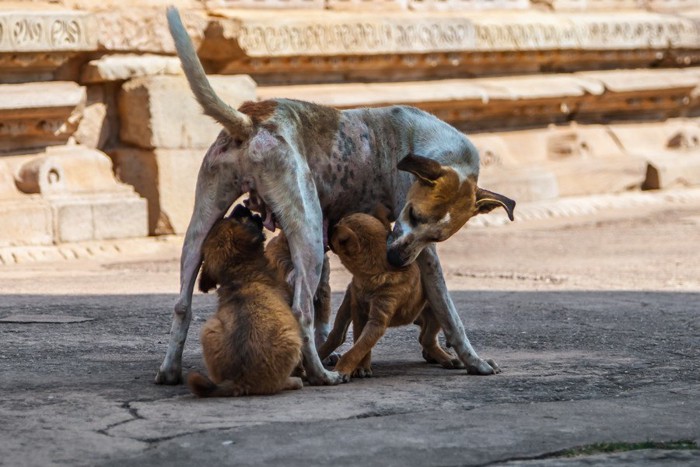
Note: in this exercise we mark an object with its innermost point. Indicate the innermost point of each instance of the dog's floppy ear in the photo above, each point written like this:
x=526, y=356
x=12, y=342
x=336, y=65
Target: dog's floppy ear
x=346, y=239
x=206, y=282
x=426, y=170
x=487, y=201
x=383, y=213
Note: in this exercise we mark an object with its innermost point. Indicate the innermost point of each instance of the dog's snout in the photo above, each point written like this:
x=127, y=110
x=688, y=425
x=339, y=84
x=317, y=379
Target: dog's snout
x=394, y=258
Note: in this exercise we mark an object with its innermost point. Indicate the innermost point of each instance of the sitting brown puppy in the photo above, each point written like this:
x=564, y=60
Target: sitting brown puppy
x=378, y=297
x=253, y=342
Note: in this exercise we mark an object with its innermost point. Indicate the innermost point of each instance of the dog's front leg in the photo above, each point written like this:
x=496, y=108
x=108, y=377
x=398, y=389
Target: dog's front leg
x=446, y=313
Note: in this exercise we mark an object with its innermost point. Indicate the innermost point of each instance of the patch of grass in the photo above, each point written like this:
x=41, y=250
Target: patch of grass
x=601, y=448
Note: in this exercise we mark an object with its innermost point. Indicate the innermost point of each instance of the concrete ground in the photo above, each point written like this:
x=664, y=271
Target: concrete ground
x=593, y=315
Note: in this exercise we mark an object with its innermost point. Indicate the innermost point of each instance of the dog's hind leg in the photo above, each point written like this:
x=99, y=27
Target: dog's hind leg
x=292, y=194
x=446, y=313
x=216, y=190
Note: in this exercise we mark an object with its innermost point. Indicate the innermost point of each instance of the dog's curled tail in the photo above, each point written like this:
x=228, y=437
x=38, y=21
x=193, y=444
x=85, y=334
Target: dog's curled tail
x=202, y=386
x=236, y=123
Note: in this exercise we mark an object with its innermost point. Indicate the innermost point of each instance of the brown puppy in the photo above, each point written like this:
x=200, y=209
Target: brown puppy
x=253, y=342
x=278, y=254
x=379, y=296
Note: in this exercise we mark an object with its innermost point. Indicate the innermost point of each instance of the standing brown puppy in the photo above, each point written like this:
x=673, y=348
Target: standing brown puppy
x=379, y=296
x=252, y=343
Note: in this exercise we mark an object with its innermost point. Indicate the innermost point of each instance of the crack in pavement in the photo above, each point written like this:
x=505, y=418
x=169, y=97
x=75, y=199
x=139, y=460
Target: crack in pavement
x=131, y=410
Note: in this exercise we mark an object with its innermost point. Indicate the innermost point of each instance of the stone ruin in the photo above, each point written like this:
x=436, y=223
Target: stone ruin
x=100, y=137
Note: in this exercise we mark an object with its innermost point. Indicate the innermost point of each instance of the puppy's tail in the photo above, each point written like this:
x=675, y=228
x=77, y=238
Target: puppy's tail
x=201, y=386
x=236, y=123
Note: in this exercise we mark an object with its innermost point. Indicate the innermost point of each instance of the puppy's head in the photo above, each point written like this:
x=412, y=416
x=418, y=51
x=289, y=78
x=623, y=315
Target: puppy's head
x=233, y=240
x=438, y=205
x=359, y=240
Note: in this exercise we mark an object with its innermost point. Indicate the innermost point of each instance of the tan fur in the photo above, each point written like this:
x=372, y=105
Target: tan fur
x=278, y=254
x=252, y=343
x=378, y=297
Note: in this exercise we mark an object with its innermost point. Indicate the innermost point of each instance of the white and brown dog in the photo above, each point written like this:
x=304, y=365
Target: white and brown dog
x=309, y=165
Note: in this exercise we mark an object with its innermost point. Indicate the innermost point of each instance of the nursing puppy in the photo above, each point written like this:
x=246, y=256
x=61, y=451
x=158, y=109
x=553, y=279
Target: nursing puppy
x=379, y=296
x=252, y=343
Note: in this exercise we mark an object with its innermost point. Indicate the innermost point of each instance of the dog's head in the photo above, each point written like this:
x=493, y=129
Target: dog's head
x=438, y=205
x=359, y=240
x=232, y=240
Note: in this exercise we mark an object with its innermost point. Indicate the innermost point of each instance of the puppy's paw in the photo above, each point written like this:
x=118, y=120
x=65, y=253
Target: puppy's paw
x=362, y=372
x=428, y=358
x=331, y=360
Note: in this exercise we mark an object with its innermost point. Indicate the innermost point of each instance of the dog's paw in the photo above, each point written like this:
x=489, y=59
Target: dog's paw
x=169, y=378
x=328, y=378
x=331, y=360
x=483, y=367
x=362, y=373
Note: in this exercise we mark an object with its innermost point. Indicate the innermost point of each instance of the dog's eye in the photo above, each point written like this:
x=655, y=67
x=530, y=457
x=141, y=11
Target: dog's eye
x=412, y=218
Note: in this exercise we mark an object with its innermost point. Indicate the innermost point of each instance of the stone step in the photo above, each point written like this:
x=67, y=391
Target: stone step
x=523, y=101
x=337, y=46
x=39, y=114
x=582, y=160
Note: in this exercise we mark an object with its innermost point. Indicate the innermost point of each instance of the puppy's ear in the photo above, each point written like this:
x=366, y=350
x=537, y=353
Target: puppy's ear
x=206, y=281
x=382, y=213
x=487, y=201
x=346, y=240
x=241, y=211
x=426, y=170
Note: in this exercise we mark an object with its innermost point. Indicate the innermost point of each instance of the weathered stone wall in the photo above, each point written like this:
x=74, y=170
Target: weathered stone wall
x=100, y=137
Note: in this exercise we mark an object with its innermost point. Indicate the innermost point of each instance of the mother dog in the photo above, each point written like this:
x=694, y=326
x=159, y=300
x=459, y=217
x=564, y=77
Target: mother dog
x=309, y=165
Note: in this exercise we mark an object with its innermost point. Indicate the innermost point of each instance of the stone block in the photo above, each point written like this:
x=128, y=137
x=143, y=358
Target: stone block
x=129, y=66
x=167, y=179
x=672, y=169
x=99, y=217
x=161, y=112
x=39, y=114
x=94, y=128
x=26, y=221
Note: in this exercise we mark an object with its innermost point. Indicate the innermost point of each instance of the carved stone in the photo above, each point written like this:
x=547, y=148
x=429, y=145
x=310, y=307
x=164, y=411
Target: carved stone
x=448, y=5
x=142, y=30
x=39, y=114
x=40, y=31
x=161, y=112
x=305, y=4
x=71, y=189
